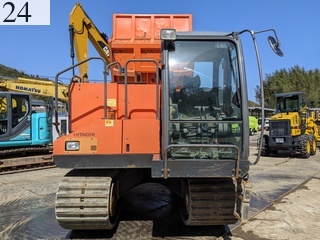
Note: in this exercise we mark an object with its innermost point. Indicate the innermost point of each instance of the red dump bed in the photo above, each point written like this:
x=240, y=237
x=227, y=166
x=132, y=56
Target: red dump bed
x=137, y=36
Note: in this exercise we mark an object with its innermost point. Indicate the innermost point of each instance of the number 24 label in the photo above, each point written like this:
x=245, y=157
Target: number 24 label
x=10, y=17
x=21, y=12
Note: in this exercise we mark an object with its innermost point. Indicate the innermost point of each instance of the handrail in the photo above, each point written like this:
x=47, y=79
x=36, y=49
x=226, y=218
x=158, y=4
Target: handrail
x=56, y=123
x=105, y=87
x=126, y=86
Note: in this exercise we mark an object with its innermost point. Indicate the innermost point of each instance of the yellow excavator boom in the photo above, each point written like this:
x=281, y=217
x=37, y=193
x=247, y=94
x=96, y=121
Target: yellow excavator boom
x=37, y=87
x=81, y=29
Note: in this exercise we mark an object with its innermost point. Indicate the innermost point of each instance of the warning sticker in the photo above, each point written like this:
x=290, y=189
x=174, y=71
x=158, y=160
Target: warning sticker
x=108, y=123
x=111, y=102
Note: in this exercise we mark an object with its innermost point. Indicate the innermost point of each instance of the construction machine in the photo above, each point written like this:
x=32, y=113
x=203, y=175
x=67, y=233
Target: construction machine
x=293, y=127
x=314, y=114
x=32, y=130
x=166, y=116
x=22, y=129
x=253, y=125
x=44, y=88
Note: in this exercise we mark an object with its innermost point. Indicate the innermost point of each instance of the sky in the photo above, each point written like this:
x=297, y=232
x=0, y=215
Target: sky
x=45, y=50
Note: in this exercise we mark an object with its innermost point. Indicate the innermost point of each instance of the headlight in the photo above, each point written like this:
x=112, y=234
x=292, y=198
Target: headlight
x=168, y=34
x=72, y=146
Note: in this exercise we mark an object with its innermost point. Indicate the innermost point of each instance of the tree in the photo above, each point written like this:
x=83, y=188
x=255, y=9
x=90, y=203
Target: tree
x=11, y=72
x=295, y=79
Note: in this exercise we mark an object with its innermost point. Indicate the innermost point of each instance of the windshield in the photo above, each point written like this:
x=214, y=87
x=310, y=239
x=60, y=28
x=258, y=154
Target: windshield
x=288, y=104
x=204, y=80
x=204, y=92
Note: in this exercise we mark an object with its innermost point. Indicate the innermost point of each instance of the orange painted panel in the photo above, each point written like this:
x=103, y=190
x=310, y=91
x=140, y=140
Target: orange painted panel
x=141, y=136
x=86, y=104
x=137, y=36
x=123, y=52
x=138, y=134
x=141, y=101
x=99, y=137
x=146, y=28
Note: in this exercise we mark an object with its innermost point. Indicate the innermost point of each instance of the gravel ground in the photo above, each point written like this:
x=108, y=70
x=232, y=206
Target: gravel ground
x=293, y=216
x=285, y=205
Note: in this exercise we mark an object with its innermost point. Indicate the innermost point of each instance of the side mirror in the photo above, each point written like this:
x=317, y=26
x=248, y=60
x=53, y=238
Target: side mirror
x=275, y=46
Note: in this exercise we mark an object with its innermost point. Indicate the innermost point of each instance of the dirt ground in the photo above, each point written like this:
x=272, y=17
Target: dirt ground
x=27, y=205
x=294, y=216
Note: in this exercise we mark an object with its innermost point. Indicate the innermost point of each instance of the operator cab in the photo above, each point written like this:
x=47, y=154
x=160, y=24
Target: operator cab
x=20, y=125
x=289, y=102
x=14, y=112
x=204, y=97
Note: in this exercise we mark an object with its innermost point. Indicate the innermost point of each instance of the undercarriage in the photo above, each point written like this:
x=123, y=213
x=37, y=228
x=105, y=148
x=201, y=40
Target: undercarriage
x=92, y=199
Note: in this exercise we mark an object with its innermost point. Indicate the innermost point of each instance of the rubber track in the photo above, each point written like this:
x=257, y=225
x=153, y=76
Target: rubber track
x=27, y=163
x=212, y=202
x=83, y=202
x=25, y=150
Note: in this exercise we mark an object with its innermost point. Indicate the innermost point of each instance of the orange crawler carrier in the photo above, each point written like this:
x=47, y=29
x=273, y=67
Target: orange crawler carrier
x=167, y=116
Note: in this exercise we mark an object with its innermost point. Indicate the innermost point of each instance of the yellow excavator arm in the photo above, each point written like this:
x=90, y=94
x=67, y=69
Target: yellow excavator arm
x=37, y=87
x=81, y=29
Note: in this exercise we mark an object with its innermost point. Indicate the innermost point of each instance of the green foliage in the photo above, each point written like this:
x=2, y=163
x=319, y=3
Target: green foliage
x=14, y=73
x=253, y=104
x=295, y=79
x=11, y=72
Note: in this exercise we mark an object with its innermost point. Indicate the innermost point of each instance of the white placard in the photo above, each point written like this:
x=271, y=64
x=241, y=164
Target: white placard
x=24, y=12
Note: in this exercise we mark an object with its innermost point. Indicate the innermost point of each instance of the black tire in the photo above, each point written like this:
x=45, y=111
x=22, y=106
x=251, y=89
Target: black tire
x=305, y=146
x=274, y=151
x=265, y=151
x=313, y=144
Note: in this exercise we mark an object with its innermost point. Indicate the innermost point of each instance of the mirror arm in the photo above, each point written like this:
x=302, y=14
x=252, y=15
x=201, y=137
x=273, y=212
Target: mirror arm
x=276, y=49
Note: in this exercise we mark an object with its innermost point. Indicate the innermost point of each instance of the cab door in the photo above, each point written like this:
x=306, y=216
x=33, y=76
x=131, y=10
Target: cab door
x=15, y=114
